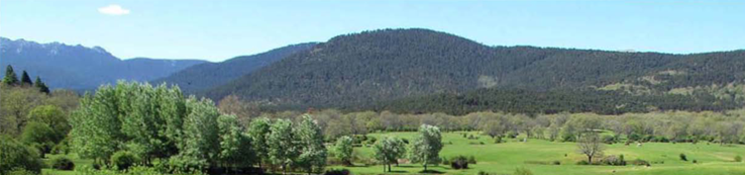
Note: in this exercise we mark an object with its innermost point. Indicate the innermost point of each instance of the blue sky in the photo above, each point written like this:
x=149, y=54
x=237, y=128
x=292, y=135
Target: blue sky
x=220, y=29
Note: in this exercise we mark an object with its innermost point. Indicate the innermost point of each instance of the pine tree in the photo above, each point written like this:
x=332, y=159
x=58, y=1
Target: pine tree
x=39, y=84
x=10, y=76
x=25, y=79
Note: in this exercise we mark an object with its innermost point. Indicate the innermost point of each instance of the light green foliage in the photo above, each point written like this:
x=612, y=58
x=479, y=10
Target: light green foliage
x=235, y=146
x=96, y=128
x=15, y=104
x=39, y=136
x=313, y=152
x=425, y=148
x=200, y=146
x=53, y=117
x=283, y=149
x=259, y=130
x=15, y=155
x=388, y=150
x=343, y=149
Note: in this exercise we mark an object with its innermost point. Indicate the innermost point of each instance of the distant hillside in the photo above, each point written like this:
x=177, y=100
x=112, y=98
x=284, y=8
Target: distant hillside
x=80, y=68
x=208, y=75
x=385, y=65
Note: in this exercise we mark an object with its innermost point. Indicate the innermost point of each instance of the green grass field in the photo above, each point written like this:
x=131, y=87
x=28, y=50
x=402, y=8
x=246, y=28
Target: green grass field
x=504, y=158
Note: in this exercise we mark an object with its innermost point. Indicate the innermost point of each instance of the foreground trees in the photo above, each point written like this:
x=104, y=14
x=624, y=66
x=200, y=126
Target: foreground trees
x=344, y=150
x=388, y=150
x=191, y=134
x=591, y=146
x=426, y=146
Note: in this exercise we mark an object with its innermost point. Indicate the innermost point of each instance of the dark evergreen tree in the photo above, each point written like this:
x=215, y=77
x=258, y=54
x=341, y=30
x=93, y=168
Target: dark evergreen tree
x=25, y=79
x=42, y=87
x=10, y=76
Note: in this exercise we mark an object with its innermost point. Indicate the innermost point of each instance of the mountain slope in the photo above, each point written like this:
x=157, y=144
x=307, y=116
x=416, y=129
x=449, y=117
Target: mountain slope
x=208, y=75
x=384, y=65
x=80, y=68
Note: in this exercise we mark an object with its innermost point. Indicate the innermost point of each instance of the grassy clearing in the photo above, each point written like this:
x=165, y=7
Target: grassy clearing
x=504, y=158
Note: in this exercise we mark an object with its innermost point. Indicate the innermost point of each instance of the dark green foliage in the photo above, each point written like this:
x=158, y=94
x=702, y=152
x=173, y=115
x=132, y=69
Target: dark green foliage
x=472, y=159
x=554, y=101
x=15, y=155
x=39, y=136
x=379, y=66
x=62, y=163
x=122, y=160
x=459, y=162
x=639, y=162
x=683, y=157
x=41, y=86
x=738, y=158
x=208, y=75
x=337, y=172
x=10, y=77
x=25, y=79
x=613, y=161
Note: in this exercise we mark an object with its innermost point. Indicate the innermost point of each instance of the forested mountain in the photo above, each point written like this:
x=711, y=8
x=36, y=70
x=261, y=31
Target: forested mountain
x=208, y=75
x=80, y=68
x=385, y=65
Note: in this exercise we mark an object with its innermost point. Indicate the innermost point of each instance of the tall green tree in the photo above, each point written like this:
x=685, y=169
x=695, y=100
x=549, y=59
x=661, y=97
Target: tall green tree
x=344, y=150
x=259, y=130
x=388, y=150
x=96, y=129
x=235, y=145
x=52, y=116
x=283, y=149
x=426, y=146
x=313, y=152
x=41, y=85
x=200, y=145
x=25, y=79
x=10, y=76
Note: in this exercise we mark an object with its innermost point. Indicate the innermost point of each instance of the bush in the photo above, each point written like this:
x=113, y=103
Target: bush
x=472, y=160
x=16, y=156
x=62, y=163
x=608, y=139
x=613, y=161
x=523, y=171
x=556, y=162
x=738, y=158
x=122, y=160
x=640, y=162
x=498, y=140
x=337, y=172
x=683, y=157
x=19, y=171
x=459, y=162
x=445, y=160
x=695, y=161
x=583, y=162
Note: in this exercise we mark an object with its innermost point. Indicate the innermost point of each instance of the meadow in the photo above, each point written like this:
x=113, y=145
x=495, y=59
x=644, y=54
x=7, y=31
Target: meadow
x=504, y=158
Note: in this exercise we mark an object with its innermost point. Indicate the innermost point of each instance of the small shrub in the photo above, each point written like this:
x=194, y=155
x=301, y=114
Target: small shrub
x=640, y=162
x=695, y=161
x=556, y=162
x=498, y=140
x=337, y=172
x=583, y=162
x=481, y=143
x=445, y=160
x=122, y=160
x=472, y=160
x=608, y=139
x=683, y=157
x=459, y=162
x=522, y=171
x=62, y=163
x=738, y=158
x=613, y=161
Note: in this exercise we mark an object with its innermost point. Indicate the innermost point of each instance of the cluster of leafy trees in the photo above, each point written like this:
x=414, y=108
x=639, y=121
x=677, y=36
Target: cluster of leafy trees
x=159, y=124
x=424, y=149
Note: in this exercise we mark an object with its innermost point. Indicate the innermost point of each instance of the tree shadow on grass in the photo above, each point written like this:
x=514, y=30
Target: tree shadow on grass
x=431, y=172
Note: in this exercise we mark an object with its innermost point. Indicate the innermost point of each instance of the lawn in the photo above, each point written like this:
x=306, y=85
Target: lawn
x=504, y=158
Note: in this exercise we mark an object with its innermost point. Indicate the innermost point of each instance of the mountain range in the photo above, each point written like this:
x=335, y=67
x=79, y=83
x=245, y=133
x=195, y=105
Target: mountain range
x=386, y=65
x=82, y=68
x=419, y=70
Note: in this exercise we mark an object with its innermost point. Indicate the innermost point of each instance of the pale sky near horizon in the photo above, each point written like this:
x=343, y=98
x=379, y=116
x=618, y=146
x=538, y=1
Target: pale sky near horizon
x=216, y=30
